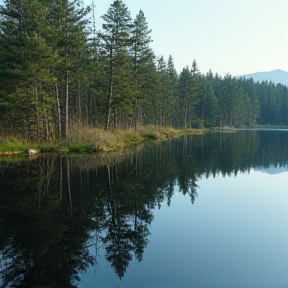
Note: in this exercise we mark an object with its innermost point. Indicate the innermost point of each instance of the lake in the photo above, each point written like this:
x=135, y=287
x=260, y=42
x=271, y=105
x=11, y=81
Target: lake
x=196, y=211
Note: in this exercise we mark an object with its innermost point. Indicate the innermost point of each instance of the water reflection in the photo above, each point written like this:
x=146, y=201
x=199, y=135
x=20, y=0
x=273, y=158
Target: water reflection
x=54, y=208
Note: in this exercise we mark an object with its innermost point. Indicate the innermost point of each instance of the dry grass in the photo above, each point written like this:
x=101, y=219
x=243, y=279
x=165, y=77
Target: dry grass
x=85, y=139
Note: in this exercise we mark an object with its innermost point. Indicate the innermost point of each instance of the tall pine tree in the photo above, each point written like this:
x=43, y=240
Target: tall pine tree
x=114, y=39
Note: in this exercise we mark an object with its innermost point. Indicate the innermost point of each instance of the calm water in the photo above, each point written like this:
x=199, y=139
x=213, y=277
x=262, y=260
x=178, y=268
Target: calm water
x=201, y=211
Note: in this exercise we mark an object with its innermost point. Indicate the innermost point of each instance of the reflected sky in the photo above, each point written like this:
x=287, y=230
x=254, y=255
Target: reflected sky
x=235, y=235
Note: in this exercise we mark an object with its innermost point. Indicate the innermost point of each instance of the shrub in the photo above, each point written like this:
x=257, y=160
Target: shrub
x=150, y=136
x=199, y=124
x=48, y=148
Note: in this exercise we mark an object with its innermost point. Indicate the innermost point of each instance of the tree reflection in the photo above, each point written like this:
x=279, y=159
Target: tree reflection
x=41, y=240
x=127, y=219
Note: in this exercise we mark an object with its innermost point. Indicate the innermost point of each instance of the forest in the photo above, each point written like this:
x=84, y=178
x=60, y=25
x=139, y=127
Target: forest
x=60, y=73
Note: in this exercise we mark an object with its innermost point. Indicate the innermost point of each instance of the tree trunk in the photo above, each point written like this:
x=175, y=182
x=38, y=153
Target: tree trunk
x=58, y=112
x=66, y=107
x=135, y=89
x=109, y=96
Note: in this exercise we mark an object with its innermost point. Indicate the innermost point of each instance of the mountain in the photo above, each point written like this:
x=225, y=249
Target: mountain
x=276, y=76
x=272, y=170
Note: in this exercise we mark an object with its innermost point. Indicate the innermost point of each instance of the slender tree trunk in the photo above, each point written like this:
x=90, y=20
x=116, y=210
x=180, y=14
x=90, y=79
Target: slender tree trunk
x=38, y=135
x=79, y=102
x=135, y=89
x=185, y=115
x=67, y=106
x=109, y=96
x=108, y=112
x=88, y=110
x=115, y=119
x=58, y=111
x=47, y=130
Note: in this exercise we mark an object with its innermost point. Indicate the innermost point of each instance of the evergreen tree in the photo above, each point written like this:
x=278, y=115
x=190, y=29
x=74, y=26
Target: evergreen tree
x=27, y=63
x=54, y=79
x=150, y=88
x=208, y=104
x=122, y=101
x=185, y=95
x=250, y=88
x=114, y=38
x=142, y=56
x=195, y=90
x=68, y=36
x=188, y=94
x=174, y=81
x=164, y=100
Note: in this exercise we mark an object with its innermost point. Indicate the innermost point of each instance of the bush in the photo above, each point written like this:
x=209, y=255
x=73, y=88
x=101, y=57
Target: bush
x=150, y=136
x=199, y=124
x=77, y=147
x=49, y=148
x=130, y=137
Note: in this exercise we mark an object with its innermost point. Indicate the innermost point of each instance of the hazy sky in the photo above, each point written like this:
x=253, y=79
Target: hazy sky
x=226, y=36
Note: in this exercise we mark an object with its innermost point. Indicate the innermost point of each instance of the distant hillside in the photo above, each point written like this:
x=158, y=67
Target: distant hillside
x=276, y=76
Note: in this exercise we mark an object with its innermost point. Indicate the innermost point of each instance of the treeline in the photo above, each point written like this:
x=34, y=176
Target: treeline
x=58, y=71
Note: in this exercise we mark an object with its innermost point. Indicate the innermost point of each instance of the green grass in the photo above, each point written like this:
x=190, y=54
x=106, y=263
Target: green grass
x=14, y=146
x=90, y=140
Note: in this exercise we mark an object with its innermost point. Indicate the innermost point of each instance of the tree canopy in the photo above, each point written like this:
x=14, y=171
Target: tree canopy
x=57, y=71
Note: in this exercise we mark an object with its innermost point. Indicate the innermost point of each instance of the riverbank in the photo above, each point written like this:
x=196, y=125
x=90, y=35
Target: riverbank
x=93, y=140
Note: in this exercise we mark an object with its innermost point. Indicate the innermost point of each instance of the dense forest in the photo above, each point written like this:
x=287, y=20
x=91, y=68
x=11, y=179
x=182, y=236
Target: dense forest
x=59, y=71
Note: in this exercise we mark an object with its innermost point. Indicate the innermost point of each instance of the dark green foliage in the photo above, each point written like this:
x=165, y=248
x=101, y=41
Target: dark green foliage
x=57, y=77
x=114, y=40
x=164, y=101
x=142, y=56
x=176, y=122
x=40, y=45
x=207, y=108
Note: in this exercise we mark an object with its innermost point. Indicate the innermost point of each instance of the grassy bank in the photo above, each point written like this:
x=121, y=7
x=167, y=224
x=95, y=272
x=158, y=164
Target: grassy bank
x=88, y=140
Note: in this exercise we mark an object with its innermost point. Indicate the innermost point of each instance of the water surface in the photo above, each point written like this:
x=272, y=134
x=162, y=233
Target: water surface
x=201, y=211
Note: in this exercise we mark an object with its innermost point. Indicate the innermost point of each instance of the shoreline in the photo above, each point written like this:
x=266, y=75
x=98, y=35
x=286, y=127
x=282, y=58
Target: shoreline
x=105, y=142
x=111, y=141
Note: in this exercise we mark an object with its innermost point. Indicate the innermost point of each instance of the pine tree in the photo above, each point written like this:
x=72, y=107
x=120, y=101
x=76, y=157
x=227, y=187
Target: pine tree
x=207, y=104
x=27, y=64
x=114, y=38
x=164, y=100
x=185, y=96
x=68, y=36
x=250, y=89
x=195, y=90
x=142, y=56
x=149, y=99
x=174, y=81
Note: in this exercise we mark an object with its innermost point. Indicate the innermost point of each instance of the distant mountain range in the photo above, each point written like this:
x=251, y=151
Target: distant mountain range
x=276, y=76
x=272, y=169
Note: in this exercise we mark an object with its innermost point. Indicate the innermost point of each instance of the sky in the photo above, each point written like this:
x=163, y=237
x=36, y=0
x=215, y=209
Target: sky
x=234, y=37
